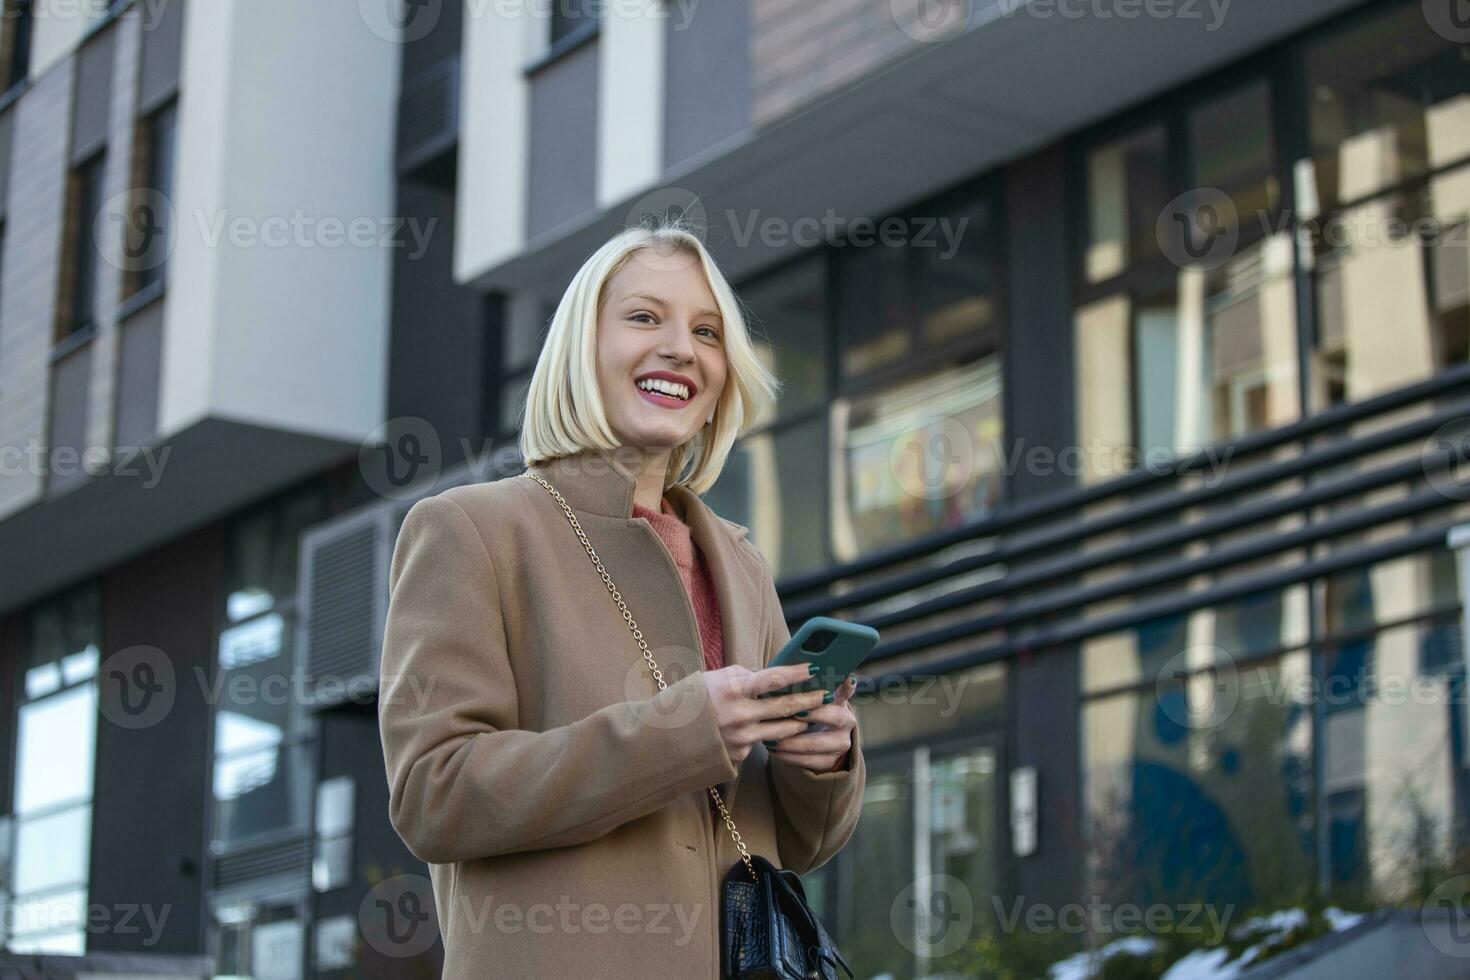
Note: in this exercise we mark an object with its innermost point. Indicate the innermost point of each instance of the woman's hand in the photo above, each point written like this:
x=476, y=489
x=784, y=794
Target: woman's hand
x=823, y=751
x=744, y=718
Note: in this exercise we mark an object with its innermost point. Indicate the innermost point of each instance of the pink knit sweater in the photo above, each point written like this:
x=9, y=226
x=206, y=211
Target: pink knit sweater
x=694, y=572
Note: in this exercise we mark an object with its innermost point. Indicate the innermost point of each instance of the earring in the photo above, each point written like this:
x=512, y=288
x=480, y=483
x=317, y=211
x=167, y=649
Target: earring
x=710, y=419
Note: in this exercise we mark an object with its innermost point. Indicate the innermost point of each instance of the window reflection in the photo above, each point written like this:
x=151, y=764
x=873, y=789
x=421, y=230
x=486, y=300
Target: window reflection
x=1388, y=102
x=1128, y=187
x=787, y=321
x=766, y=486
x=1401, y=259
x=918, y=456
x=875, y=316
x=261, y=765
x=47, y=870
x=1195, y=797
x=1391, y=763
x=260, y=791
x=262, y=938
x=1173, y=358
x=878, y=862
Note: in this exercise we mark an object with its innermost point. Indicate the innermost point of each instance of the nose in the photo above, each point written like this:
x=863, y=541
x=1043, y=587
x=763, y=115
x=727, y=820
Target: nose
x=675, y=343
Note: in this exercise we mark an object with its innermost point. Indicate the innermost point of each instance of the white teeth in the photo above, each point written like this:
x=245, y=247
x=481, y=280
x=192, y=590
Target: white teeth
x=664, y=387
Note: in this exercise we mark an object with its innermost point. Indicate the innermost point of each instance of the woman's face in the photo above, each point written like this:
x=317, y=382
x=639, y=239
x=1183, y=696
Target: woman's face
x=659, y=320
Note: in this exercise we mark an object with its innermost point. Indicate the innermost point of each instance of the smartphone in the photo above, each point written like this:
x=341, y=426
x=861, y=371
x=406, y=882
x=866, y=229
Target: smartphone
x=838, y=647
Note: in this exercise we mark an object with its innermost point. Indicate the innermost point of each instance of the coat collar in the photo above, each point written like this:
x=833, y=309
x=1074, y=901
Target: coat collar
x=598, y=481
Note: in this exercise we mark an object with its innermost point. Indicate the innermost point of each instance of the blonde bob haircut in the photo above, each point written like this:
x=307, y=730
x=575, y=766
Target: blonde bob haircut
x=564, y=408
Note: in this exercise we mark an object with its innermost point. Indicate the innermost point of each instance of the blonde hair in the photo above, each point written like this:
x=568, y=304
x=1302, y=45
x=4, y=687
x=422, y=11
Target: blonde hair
x=564, y=409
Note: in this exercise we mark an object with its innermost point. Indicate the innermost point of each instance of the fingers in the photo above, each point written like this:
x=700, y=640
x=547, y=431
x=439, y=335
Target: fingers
x=846, y=689
x=786, y=705
x=774, y=731
x=774, y=678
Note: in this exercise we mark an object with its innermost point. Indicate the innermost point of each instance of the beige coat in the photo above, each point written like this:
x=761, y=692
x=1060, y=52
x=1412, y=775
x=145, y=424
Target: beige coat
x=559, y=798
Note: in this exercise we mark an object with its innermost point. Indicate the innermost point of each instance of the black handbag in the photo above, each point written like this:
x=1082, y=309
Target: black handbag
x=767, y=930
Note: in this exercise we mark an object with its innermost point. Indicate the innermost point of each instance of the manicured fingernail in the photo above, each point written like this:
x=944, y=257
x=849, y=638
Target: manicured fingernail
x=813, y=669
x=768, y=744
x=852, y=678
x=828, y=698
x=801, y=714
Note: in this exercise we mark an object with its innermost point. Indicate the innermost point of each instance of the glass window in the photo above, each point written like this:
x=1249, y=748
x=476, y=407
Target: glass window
x=260, y=938
x=1400, y=258
x=917, y=456
x=758, y=487
x=957, y=277
x=1391, y=762
x=1231, y=150
x=1185, y=342
x=332, y=859
x=55, y=755
x=19, y=18
x=787, y=316
x=261, y=768
x=1127, y=190
x=260, y=791
x=1389, y=100
x=1220, y=635
x=85, y=198
x=875, y=316
x=152, y=231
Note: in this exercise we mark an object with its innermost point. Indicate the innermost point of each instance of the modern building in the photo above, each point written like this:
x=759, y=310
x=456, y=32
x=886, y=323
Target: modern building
x=1125, y=347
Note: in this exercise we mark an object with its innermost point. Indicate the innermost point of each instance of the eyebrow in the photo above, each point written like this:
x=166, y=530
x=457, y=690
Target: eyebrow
x=654, y=299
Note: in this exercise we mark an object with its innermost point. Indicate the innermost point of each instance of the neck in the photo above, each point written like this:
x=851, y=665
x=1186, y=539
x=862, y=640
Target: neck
x=650, y=469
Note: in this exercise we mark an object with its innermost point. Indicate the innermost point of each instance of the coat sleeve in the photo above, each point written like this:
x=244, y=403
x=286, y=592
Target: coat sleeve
x=464, y=780
x=816, y=813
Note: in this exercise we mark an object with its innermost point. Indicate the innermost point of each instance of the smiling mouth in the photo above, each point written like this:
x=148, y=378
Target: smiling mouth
x=662, y=392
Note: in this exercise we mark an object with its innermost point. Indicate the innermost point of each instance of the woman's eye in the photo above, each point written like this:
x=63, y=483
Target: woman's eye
x=635, y=316
x=712, y=332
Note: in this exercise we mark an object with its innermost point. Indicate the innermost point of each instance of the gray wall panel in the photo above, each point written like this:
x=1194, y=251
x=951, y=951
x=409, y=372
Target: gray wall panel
x=562, y=175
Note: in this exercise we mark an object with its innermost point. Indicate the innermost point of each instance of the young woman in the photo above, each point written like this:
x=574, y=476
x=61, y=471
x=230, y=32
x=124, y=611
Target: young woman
x=557, y=793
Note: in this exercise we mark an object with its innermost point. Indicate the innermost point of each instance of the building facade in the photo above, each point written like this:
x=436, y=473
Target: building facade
x=1125, y=349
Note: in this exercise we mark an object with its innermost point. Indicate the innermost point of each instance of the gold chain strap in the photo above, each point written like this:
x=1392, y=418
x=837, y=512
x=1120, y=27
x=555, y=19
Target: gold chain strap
x=647, y=654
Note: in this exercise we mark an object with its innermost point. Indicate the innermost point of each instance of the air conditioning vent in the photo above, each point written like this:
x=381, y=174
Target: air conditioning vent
x=342, y=597
x=289, y=858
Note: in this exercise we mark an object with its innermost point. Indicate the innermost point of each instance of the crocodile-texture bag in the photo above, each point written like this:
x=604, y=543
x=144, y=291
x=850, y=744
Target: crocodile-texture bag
x=767, y=931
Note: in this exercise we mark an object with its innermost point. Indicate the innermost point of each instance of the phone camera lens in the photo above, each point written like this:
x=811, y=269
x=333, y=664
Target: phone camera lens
x=819, y=641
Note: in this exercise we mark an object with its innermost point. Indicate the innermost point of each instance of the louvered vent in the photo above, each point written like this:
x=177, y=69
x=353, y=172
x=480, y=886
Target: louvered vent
x=428, y=115
x=290, y=858
x=344, y=593
x=342, y=596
